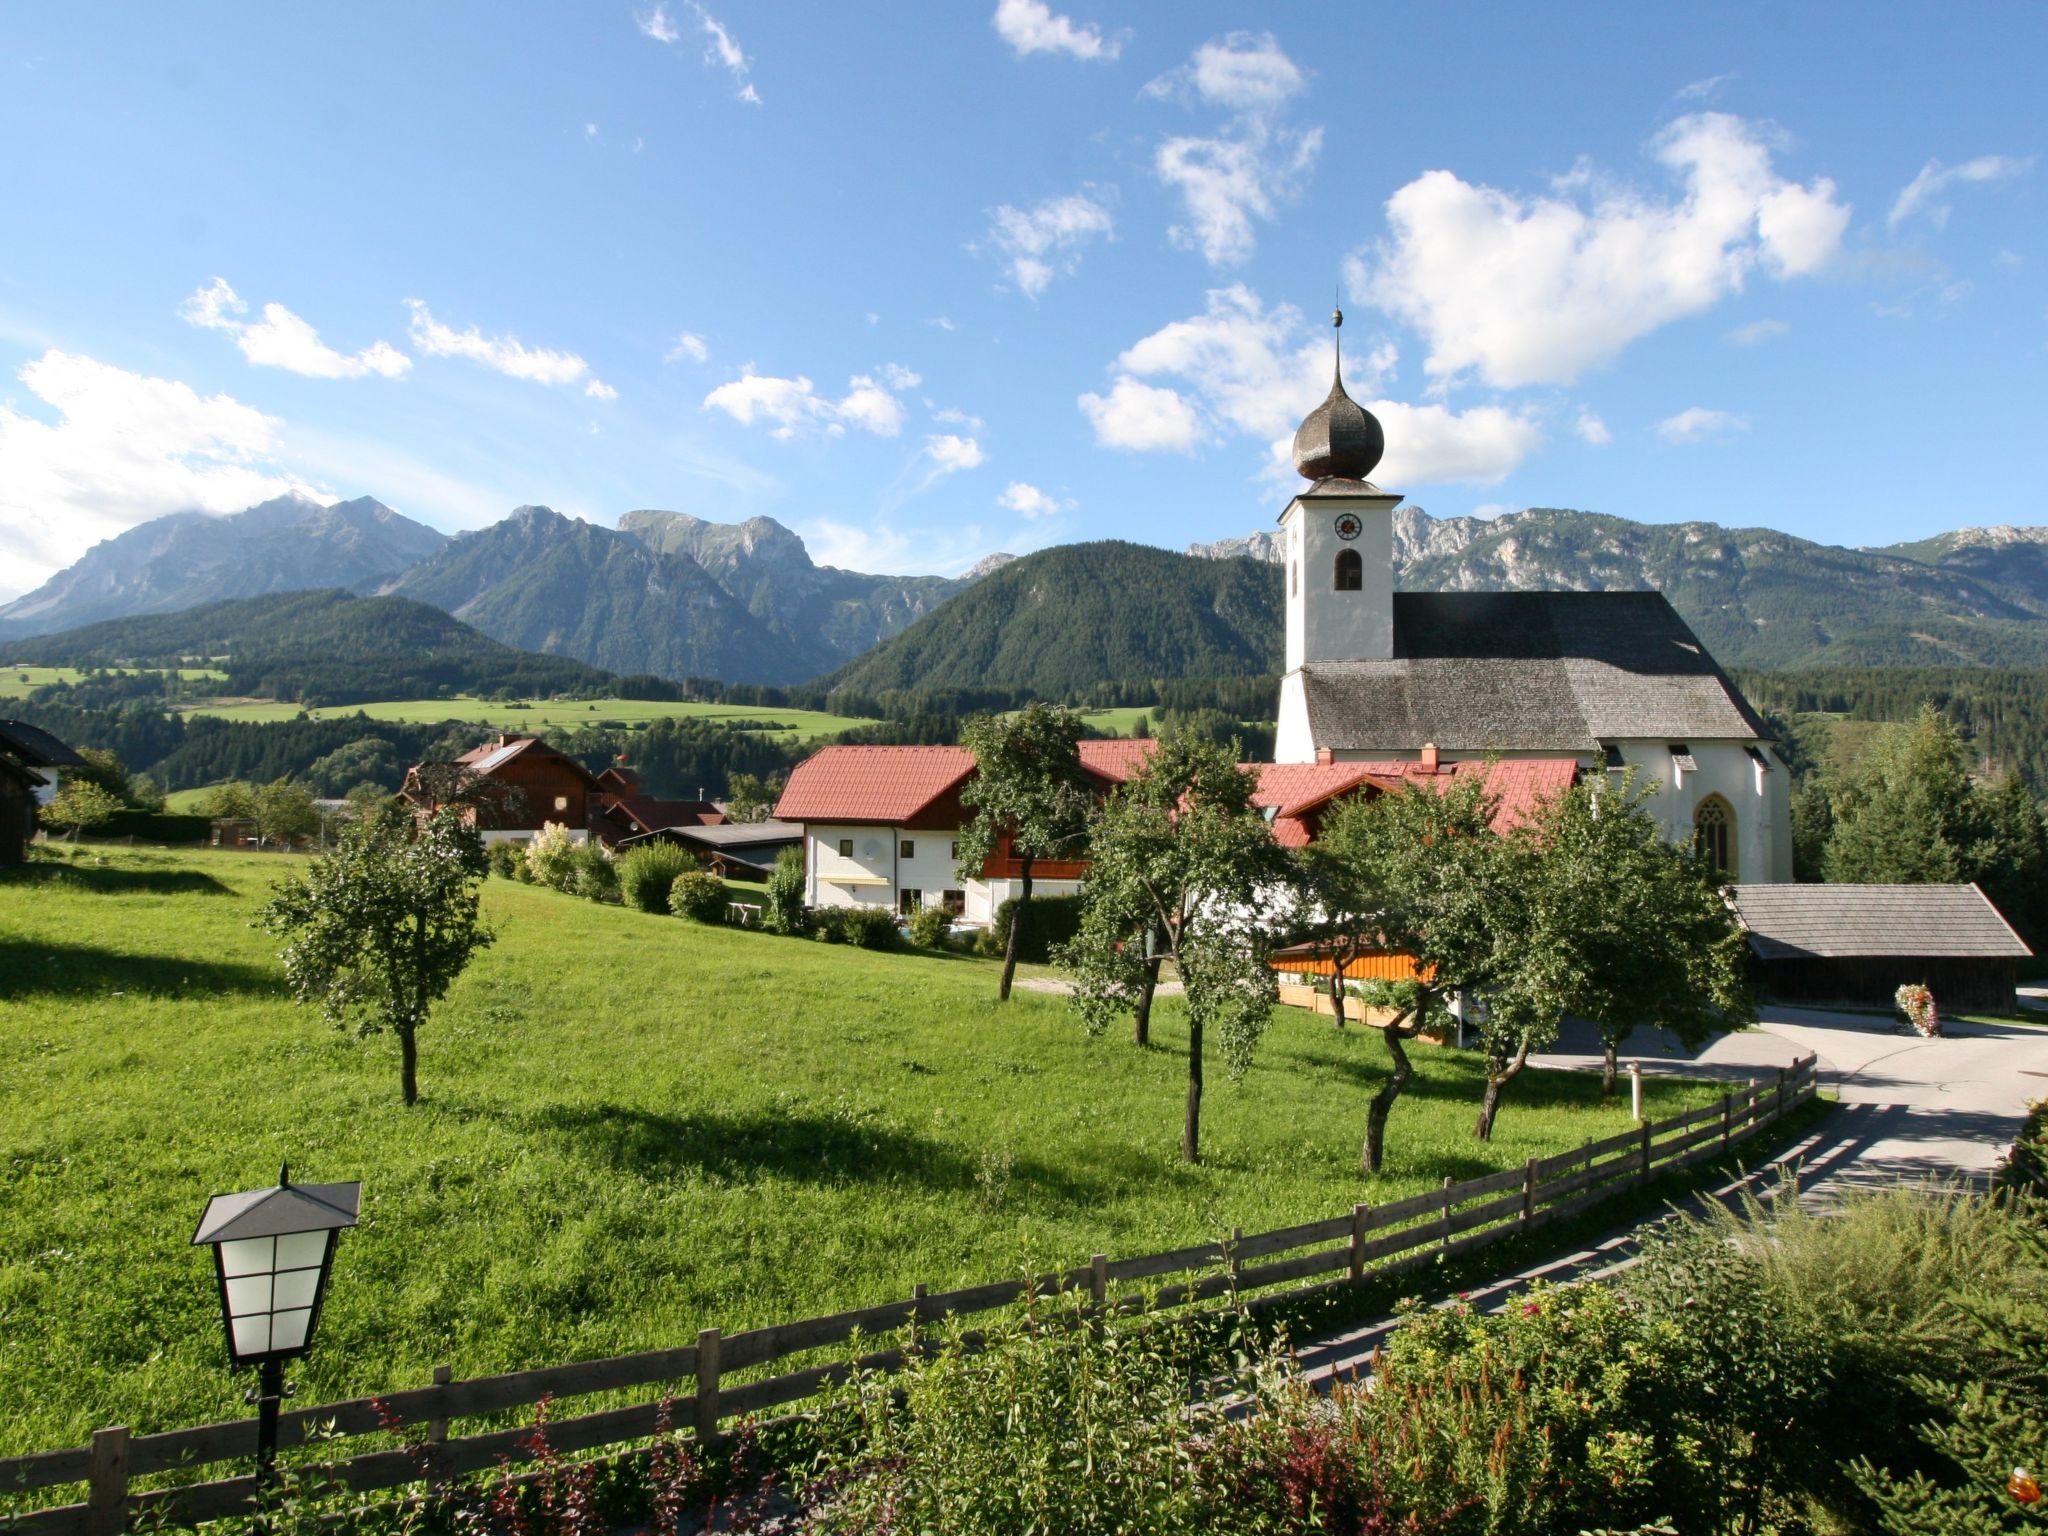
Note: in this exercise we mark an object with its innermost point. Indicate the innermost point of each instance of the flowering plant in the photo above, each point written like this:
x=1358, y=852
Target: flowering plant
x=1915, y=1002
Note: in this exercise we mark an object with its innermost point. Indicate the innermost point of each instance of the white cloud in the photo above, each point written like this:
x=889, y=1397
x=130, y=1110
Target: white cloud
x=1231, y=180
x=943, y=322
x=950, y=453
x=1144, y=418
x=952, y=416
x=502, y=354
x=689, y=344
x=1591, y=429
x=1539, y=290
x=123, y=448
x=721, y=49
x=1046, y=240
x=1703, y=90
x=1031, y=26
x=590, y=130
x=282, y=340
x=1245, y=369
x=790, y=406
x=1028, y=501
x=1757, y=331
x=658, y=24
x=1697, y=424
x=1922, y=194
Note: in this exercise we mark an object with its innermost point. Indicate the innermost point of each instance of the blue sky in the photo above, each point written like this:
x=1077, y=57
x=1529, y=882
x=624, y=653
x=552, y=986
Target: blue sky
x=929, y=280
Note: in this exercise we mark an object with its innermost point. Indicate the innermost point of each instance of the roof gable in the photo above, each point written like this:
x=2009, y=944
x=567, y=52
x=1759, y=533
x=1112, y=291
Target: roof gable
x=36, y=746
x=1793, y=922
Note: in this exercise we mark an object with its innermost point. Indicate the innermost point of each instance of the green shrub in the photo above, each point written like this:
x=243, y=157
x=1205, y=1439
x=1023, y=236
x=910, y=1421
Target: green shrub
x=782, y=907
x=928, y=926
x=595, y=877
x=698, y=896
x=872, y=928
x=829, y=924
x=1048, y=921
x=504, y=859
x=551, y=857
x=648, y=873
x=156, y=827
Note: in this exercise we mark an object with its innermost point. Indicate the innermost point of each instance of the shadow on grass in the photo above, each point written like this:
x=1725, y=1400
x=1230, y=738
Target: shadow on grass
x=39, y=968
x=154, y=882
x=796, y=1144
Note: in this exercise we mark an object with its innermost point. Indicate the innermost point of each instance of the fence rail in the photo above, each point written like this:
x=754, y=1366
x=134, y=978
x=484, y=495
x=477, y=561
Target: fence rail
x=1457, y=1217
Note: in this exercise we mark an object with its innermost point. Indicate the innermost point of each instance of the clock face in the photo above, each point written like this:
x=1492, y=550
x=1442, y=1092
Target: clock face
x=1348, y=526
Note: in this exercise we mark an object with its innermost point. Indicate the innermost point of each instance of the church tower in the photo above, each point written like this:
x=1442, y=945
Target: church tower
x=1339, y=537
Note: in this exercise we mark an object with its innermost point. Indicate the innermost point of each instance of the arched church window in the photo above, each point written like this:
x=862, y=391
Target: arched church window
x=1713, y=830
x=1350, y=571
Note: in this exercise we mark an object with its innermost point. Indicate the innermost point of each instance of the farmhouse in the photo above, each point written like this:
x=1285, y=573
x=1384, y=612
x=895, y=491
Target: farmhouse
x=43, y=754
x=1861, y=943
x=1607, y=681
x=529, y=784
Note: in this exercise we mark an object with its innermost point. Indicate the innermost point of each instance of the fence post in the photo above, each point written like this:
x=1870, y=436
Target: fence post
x=1445, y=1242
x=1727, y=1117
x=1644, y=1177
x=1236, y=1264
x=707, y=1387
x=437, y=1432
x=1360, y=1219
x=1098, y=1290
x=1529, y=1192
x=1778, y=1110
x=106, y=1499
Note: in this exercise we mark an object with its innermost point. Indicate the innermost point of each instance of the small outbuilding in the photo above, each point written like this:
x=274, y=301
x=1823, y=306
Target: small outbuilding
x=1860, y=943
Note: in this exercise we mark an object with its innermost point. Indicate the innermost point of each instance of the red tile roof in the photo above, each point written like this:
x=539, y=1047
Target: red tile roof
x=1295, y=789
x=870, y=784
x=1116, y=758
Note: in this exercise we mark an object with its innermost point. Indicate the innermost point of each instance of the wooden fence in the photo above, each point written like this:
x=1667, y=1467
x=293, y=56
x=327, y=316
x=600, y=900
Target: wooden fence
x=1366, y=1242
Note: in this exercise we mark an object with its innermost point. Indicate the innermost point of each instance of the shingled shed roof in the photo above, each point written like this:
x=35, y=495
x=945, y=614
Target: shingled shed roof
x=36, y=746
x=1527, y=671
x=1795, y=922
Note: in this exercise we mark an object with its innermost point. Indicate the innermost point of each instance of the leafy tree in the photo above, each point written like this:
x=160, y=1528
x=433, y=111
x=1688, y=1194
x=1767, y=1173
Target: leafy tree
x=1908, y=818
x=1813, y=822
x=1422, y=870
x=751, y=797
x=145, y=794
x=783, y=910
x=1598, y=916
x=551, y=856
x=698, y=895
x=376, y=930
x=233, y=801
x=102, y=767
x=284, y=811
x=1028, y=786
x=1181, y=848
x=364, y=798
x=366, y=758
x=78, y=806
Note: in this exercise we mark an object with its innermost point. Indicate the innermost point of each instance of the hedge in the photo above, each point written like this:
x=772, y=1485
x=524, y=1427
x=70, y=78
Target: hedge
x=1048, y=921
x=154, y=827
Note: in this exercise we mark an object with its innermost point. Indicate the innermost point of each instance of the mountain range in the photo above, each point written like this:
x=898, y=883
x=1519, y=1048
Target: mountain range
x=682, y=596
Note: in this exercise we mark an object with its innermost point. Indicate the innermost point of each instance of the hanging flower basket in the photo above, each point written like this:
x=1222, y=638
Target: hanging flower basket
x=1915, y=1003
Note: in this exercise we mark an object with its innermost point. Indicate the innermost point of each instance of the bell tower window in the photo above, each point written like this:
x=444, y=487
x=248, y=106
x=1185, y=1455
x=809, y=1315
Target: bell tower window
x=1350, y=571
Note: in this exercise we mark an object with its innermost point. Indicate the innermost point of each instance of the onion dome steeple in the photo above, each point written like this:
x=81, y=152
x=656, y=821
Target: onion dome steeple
x=1340, y=437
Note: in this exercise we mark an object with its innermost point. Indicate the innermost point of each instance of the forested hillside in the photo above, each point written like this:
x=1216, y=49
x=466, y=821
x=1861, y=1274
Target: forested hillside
x=1061, y=622
x=2002, y=712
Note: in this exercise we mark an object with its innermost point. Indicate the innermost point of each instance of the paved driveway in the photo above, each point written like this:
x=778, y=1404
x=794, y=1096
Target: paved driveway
x=1946, y=1106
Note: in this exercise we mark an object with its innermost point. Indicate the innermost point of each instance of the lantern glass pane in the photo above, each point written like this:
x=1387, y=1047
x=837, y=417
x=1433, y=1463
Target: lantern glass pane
x=247, y=1294
x=288, y=1329
x=301, y=1250
x=247, y=1256
x=252, y=1334
x=295, y=1288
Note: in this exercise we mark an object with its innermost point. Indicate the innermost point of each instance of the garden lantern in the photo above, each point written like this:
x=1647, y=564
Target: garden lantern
x=272, y=1250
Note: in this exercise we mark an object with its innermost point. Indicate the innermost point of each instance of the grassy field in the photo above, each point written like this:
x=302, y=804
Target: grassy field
x=630, y=1128
x=18, y=682
x=1123, y=720
x=795, y=724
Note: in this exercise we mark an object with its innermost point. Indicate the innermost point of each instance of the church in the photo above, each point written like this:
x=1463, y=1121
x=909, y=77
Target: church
x=1609, y=681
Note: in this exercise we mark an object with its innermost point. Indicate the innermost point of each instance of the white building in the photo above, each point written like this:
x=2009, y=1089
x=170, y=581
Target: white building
x=1607, y=680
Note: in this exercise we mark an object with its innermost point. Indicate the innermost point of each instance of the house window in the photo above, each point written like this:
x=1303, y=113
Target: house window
x=955, y=903
x=561, y=802
x=1713, y=830
x=846, y=847
x=1350, y=571
x=907, y=849
x=953, y=852
x=908, y=900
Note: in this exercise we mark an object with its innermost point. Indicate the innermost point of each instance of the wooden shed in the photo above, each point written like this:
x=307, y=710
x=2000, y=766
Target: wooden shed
x=1859, y=944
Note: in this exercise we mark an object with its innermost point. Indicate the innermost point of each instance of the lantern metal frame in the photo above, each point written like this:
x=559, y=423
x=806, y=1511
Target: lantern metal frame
x=286, y=1210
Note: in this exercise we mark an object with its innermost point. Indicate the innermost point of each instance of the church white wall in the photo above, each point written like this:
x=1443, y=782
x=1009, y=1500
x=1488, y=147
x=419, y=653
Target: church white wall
x=1293, y=742
x=1761, y=801
x=1324, y=624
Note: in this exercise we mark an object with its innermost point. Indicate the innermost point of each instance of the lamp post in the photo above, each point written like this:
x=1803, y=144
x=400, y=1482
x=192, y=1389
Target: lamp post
x=272, y=1251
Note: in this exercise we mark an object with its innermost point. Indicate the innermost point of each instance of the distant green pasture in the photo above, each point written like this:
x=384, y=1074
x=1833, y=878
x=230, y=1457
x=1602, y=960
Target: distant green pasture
x=16, y=682
x=564, y=714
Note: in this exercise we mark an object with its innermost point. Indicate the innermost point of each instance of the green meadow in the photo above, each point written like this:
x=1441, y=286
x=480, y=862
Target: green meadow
x=18, y=682
x=631, y=1128
x=563, y=714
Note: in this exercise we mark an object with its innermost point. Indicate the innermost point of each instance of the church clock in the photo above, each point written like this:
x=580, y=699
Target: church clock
x=1348, y=526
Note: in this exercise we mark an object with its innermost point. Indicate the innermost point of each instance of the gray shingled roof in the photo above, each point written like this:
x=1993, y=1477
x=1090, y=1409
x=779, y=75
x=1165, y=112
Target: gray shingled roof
x=1791, y=922
x=1527, y=671
x=36, y=746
